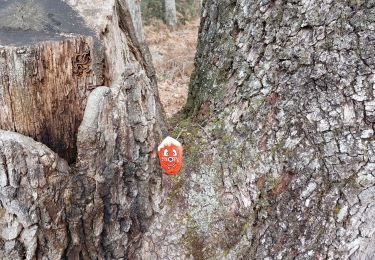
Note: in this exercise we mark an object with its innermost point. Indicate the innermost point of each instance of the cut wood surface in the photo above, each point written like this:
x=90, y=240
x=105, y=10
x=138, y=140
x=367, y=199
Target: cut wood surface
x=44, y=88
x=45, y=79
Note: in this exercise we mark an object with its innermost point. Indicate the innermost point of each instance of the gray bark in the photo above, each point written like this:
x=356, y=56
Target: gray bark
x=280, y=149
x=170, y=13
x=34, y=183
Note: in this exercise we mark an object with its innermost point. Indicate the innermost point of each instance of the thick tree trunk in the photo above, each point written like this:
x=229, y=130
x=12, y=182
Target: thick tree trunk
x=51, y=89
x=280, y=154
x=170, y=13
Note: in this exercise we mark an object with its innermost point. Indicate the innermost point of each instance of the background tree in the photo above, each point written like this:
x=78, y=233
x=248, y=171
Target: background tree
x=136, y=13
x=187, y=10
x=170, y=13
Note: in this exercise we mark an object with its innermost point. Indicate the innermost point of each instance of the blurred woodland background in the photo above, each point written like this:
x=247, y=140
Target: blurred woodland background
x=172, y=50
x=155, y=9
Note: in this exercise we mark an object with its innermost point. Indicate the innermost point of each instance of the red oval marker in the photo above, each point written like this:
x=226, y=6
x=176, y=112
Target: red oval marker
x=170, y=155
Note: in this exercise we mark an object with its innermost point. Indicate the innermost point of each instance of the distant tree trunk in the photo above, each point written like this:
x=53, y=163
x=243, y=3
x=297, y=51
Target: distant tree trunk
x=135, y=10
x=170, y=13
x=200, y=3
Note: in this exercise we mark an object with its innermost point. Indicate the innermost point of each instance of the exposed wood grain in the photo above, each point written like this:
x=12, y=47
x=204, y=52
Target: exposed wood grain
x=44, y=88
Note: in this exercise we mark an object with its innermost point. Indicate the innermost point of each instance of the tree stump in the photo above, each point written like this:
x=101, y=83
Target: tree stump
x=47, y=75
x=76, y=79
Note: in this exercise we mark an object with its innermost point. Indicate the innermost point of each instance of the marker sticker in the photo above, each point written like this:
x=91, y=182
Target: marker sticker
x=170, y=155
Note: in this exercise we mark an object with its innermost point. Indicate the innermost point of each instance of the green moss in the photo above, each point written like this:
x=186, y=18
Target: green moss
x=278, y=18
x=218, y=130
x=278, y=147
x=192, y=240
x=246, y=226
x=351, y=181
x=336, y=210
x=189, y=134
x=193, y=140
x=177, y=190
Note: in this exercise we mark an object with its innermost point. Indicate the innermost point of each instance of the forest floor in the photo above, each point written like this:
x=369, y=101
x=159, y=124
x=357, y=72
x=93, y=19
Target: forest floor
x=173, y=56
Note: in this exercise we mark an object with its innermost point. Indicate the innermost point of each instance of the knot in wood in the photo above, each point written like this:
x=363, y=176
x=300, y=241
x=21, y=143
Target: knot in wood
x=82, y=62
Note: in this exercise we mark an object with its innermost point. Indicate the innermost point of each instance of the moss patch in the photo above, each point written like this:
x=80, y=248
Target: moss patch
x=193, y=241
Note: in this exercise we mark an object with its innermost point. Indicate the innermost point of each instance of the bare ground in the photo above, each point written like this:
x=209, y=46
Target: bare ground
x=173, y=56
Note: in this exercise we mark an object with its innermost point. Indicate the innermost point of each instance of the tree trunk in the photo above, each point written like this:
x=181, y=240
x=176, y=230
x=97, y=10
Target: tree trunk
x=170, y=14
x=75, y=77
x=135, y=10
x=279, y=143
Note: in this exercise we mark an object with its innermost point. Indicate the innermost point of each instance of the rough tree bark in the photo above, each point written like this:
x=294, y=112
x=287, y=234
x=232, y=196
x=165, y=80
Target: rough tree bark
x=170, y=13
x=279, y=140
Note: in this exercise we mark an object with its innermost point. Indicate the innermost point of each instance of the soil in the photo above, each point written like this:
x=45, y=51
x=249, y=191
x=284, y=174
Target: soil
x=173, y=56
